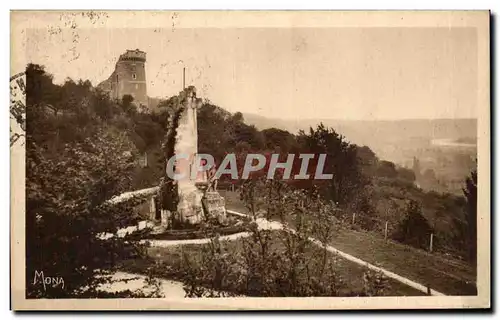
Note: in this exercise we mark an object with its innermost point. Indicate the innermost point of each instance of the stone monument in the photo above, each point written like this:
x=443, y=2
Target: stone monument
x=195, y=202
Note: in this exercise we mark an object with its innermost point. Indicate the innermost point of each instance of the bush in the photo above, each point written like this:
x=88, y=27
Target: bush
x=274, y=263
x=414, y=229
x=375, y=283
x=67, y=211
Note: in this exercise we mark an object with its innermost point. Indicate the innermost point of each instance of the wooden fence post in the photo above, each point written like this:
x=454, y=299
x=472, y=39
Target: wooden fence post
x=353, y=217
x=385, y=232
x=430, y=244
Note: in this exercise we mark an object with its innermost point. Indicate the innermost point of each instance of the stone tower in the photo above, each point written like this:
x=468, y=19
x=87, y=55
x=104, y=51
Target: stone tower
x=128, y=78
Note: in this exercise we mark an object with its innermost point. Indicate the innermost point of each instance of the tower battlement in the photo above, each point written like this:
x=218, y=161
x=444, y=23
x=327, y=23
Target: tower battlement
x=133, y=55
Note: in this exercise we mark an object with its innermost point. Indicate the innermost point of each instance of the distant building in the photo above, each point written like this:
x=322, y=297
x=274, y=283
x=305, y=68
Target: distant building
x=128, y=78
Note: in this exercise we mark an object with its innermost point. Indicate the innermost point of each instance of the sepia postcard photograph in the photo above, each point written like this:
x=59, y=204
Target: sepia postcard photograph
x=245, y=160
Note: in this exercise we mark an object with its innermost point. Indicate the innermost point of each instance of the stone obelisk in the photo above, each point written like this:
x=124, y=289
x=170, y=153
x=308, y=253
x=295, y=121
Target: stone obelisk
x=189, y=208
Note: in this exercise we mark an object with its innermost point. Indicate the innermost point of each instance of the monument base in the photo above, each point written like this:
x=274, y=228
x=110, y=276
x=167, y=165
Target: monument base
x=198, y=202
x=215, y=206
x=190, y=207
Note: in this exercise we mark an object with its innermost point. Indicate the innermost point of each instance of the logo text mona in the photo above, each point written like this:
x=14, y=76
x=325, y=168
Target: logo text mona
x=54, y=282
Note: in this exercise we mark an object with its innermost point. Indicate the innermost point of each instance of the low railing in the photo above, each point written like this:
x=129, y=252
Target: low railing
x=128, y=195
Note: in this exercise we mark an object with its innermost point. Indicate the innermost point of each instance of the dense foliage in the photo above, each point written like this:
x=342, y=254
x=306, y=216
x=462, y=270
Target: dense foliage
x=414, y=229
x=81, y=150
x=470, y=232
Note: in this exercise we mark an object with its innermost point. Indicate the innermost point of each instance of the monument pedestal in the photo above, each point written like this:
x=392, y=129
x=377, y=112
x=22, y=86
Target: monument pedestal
x=190, y=208
x=165, y=217
x=215, y=206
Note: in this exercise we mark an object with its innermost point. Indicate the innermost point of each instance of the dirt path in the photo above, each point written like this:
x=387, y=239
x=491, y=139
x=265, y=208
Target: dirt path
x=134, y=282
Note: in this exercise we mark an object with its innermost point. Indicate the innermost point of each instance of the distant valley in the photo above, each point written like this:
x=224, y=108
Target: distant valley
x=445, y=146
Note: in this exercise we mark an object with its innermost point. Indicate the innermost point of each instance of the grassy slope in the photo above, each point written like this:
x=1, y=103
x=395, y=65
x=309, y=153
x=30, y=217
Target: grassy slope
x=443, y=274
x=350, y=273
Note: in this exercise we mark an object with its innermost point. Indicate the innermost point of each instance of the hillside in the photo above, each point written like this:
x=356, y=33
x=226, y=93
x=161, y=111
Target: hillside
x=437, y=144
x=440, y=270
x=378, y=133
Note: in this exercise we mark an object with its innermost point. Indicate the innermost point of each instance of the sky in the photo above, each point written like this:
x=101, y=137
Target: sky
x=287, y=73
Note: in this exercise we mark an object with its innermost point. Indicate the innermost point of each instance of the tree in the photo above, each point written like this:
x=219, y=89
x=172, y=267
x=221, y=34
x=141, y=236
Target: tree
x=103, y=107
x=279, y=140
x=414, y=229
x=66, y=212
x=215, y=131
x=362, y=205
x=73, y=95
x=387, y=169
x=406, y=174
x=341, y=161
x=416, y=168
x=238, y=117
x=128, y=105
x=470, y=192
x=367, y=160
x=220, y=133
x=39, y=86
x=249, y=134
